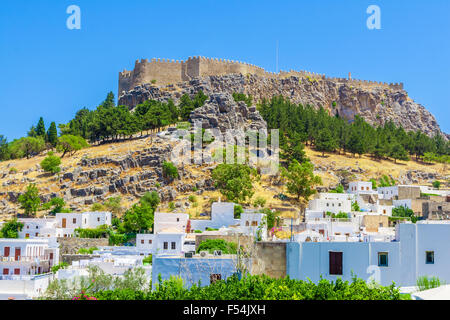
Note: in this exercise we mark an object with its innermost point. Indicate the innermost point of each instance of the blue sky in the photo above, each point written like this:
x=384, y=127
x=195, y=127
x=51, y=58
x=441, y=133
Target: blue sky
x=48, y=70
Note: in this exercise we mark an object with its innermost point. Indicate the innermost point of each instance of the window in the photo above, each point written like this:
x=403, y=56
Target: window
x=254, y=223
x=214, y=277
x=142, y=241
x=178, y=219
x=166, y=245
x=98, y=219
x=173, y=245
x=37, y=234
x=5, y=271
x=37, y=227
x=335, y=263
x=74, y=220
x=382, y=259
x=367, y=188
x=384, y=210
x=247, y=223
x=6, y=252
x=150, y=241
x=429, y=257
x=16, y=271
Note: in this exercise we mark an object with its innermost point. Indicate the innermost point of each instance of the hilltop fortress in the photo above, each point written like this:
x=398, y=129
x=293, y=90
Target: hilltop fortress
x=164, y=72
x=377, y=102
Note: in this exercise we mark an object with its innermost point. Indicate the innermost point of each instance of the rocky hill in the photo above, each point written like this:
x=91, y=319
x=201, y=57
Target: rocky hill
x=376, y=104
x=132, y=167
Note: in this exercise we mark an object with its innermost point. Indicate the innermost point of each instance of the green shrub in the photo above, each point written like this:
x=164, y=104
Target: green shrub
x=436, y=184
x=87, y=250
x=258, y=287
x=148, y=259
x=51, y=163
x=238, y=210
x=426, y=283
x=58, y=266
x=192, y=198
x=169, y=170
x=259, y=202
x=211, y=245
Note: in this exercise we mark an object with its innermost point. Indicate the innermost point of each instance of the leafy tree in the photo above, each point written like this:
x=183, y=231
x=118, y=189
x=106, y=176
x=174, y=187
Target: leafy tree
x=300, y=179
x=51, y=163
x=272, y=217
x=58, y=205
x=402, y=211
x=114, y=204
x=4, y=148
x=27, y=147
x=234, y=181
x=238, y=210
x=169, y=170
x=52, y=135
x=151, y=199
x=355, y=206
x=71, y=144
x=30, y=200
x=11, y=229
x=138, y=218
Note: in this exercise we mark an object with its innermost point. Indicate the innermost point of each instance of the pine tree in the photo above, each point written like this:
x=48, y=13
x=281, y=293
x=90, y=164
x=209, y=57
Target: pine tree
x=40, y=128
x=325, y=141
x=52, y=134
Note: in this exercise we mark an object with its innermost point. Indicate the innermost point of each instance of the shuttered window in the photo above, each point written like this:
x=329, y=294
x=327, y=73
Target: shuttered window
x=335, y=263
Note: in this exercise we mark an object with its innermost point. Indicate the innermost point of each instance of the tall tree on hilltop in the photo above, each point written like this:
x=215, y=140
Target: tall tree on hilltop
x=40, y=128
x=52, y=134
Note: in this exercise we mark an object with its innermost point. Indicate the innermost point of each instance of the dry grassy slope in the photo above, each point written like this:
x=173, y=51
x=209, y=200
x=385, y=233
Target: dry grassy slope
x=263, y=188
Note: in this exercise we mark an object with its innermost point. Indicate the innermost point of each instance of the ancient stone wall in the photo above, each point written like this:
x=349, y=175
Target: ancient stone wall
x=164, y=71
x=69, y=258
x=72, y=245
x=270, y=259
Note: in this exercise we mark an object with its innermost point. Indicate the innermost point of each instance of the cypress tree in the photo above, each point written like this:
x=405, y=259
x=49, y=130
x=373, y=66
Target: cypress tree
x=40, y=128
x=52, y=134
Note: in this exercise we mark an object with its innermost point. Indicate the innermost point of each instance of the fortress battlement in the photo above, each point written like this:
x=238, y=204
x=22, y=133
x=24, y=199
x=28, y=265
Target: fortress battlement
x=166, y=71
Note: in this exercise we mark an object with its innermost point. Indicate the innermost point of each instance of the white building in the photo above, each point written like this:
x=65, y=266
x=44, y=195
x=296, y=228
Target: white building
x=27, y=256
x=387, y=192
x=317, y=206
x=37, y=227
x=163, y=221
x=419, y=249
x=360, y=187
x=66, y=223
x=222, y=215
x=253, y=223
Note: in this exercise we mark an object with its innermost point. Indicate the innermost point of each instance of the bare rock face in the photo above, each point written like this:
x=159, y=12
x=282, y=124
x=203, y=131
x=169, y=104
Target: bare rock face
x=376, y=104
x=223, y=113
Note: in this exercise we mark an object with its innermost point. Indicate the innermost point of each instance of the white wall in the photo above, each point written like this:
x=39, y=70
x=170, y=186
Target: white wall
x=172, y=221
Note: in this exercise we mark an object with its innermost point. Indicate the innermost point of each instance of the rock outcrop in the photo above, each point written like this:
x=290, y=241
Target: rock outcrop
x=376, y=104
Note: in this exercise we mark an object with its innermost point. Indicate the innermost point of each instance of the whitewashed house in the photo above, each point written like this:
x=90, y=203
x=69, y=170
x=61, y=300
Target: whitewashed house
x=27, y=256
x=222, y=215
x=317, y=207
x=360, y=187
x=66, y=223
x=253, y=223
x=37, y=227
x=164, y=221
x=419, y=249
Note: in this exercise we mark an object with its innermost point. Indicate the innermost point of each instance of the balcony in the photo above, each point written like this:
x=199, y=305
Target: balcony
x=25, y=259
